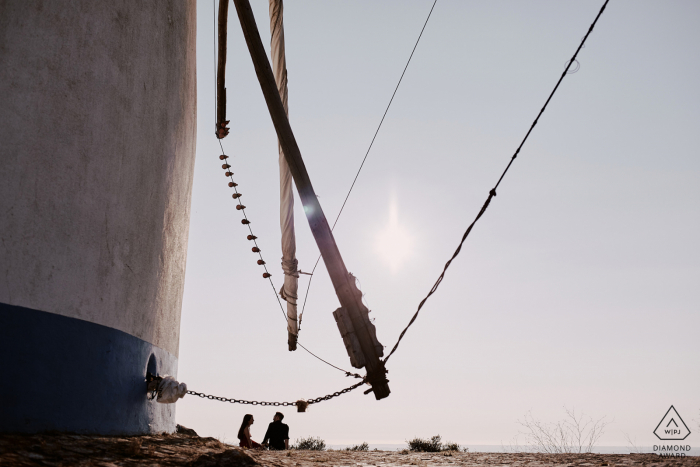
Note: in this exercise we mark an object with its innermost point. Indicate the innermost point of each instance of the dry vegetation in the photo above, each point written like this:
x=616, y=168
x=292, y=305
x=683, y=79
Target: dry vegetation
x=576, y=433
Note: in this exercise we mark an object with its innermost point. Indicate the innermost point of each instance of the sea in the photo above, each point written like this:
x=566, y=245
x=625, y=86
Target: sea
x=693, y=451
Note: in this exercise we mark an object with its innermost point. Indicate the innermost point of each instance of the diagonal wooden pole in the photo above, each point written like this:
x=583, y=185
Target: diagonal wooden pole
x=349, y=296
x=221, y=123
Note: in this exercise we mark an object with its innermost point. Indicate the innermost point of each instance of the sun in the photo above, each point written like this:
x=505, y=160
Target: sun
x=394, y=243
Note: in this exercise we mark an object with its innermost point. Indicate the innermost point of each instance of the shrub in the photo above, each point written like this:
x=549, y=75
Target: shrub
x=358, y=447
x=450, y=446
x=310, y=444
x=433, y=444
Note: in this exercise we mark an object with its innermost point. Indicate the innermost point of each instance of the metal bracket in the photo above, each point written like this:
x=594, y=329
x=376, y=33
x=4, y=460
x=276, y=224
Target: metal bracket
x=152, y=383
x=349, y=333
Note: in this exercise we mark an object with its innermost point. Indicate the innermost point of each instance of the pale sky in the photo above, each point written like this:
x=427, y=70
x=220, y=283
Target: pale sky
x=578, y=288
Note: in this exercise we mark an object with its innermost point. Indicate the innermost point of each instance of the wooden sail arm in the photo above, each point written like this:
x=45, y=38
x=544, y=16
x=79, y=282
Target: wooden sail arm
x=221, y=122
x=343, y=282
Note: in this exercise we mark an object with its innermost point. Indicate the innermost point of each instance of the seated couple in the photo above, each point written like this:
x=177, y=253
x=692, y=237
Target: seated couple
x=277, y=434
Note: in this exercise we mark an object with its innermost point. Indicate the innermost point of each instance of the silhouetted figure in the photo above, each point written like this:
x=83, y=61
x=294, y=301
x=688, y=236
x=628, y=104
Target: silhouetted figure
x=277, y=433
x=244, y=433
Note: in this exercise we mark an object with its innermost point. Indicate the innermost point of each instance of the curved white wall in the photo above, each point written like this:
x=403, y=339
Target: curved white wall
x=97, y=132
x=97, y=126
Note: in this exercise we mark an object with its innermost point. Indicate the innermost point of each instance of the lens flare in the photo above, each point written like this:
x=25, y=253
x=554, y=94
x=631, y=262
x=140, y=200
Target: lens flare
x=394, y=243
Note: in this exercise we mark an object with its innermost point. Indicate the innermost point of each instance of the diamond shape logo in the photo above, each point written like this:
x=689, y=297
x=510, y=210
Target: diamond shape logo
x=672, y=427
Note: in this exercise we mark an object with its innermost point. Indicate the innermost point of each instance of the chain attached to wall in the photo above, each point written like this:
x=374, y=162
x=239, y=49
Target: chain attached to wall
x=301, y=404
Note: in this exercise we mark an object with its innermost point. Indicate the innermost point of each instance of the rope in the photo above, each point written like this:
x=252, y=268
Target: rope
x=253, y=238
x=384, y=116
x=347, y=373
x=367, y=154
x=267, y=275
x=492, y=193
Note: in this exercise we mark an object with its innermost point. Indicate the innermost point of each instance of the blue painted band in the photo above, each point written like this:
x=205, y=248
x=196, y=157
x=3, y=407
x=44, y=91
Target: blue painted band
x=70, y=375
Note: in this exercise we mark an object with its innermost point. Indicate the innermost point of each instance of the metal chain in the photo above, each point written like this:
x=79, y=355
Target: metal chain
x=276, y=404
x=239, y=401
x=336, y=394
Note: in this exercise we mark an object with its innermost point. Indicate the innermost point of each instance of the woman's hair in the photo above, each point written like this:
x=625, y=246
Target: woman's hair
x=244, y=425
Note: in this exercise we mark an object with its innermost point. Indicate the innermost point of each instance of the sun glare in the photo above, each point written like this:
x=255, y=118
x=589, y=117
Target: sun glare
x=394, y=242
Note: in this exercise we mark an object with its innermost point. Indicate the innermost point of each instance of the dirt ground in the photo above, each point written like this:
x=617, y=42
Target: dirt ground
x=393, y=458
x=190, y=450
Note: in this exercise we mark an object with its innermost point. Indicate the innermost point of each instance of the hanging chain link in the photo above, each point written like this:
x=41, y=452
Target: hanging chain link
x=238, y=401
x=336, y=394
x=276, y=404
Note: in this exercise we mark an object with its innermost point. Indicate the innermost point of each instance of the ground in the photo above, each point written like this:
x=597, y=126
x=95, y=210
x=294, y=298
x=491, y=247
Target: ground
x=187, y=449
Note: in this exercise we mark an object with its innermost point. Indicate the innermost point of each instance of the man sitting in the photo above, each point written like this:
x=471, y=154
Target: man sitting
x=277, y=433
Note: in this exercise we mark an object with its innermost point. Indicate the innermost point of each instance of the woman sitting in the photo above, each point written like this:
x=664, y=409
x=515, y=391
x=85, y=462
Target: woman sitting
x=244, y=434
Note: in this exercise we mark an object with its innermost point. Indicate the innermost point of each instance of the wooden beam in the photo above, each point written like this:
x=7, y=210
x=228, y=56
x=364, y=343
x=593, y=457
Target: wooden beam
x=221, y=129
x=349, y=296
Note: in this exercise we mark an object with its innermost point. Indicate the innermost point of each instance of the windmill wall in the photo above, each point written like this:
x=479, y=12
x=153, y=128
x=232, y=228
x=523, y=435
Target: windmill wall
x=97, y=146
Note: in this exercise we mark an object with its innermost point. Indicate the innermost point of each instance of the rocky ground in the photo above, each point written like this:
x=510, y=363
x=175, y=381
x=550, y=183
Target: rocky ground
x=187, y=449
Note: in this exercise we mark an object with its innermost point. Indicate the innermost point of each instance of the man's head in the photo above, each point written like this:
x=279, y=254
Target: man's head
x=278, y=417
